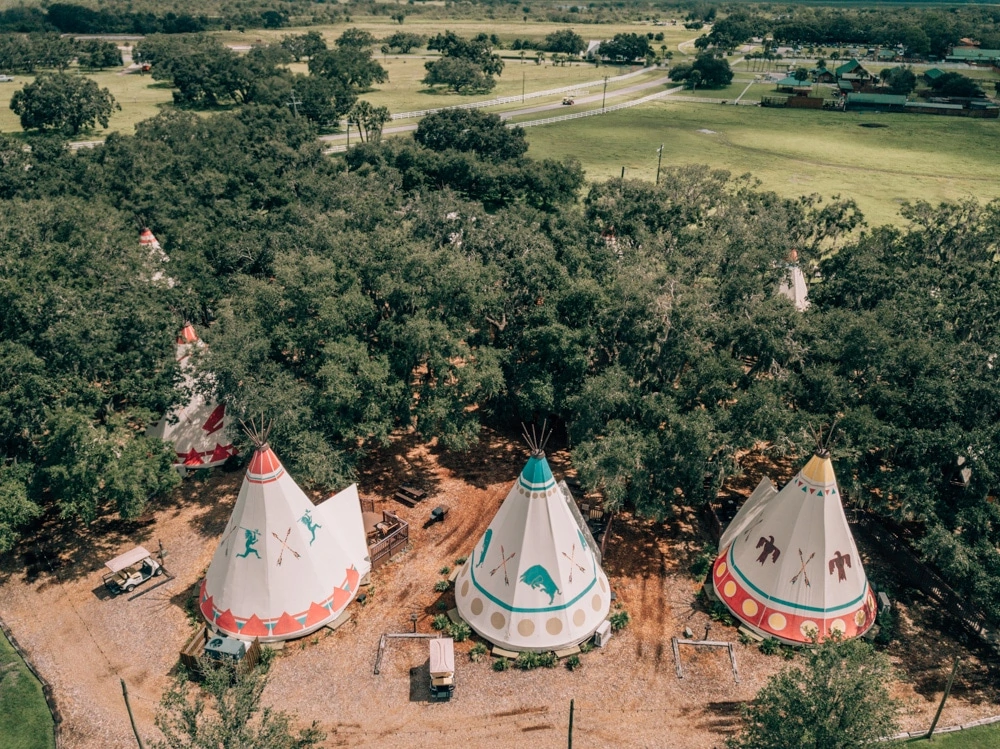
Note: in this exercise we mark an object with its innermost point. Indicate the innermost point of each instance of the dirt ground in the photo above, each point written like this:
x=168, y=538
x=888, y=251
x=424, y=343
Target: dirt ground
x=627, y=694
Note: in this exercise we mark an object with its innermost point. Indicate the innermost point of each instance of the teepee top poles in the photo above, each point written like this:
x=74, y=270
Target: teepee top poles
x=823, y=446
x=258, y=434
x=537, y=440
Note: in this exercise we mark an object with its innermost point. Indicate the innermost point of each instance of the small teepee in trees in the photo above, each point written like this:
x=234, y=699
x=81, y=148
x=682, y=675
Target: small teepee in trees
x=155, y=259
x=793, y=285
x=284, y=566
x=198, y=429
x=533, y=582
x=787, y=565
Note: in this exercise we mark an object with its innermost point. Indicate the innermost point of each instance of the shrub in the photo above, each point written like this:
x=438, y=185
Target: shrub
x=441, y=586
x=886, y=622
x=478, y=652
x=445, y=570
x=527, y=661
x=501, y=664
x=586, y=647
x=719, y=613
x=744, y=638
x=619, y=620
x=441, y=621
x=547, y=660
x=701, y=565
x=573, y=662
x=460, y=561
x=459, y=631
x=769, y=646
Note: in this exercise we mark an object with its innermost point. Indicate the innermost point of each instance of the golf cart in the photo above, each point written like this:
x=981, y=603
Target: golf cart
x=130, y=569
x=442, y=668
x=569, y=100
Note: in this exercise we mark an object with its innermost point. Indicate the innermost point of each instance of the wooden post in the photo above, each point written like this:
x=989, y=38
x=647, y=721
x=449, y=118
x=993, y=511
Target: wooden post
x=128, y=706
x=570, y=744
x=947, y=691
x=659, y=160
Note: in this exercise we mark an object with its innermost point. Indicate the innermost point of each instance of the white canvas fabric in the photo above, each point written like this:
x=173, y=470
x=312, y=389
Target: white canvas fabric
x=199, y=430
x=748, y=514
x=791, y=570
x=155, y=259
x=280, y=570
x=533, y=582
x=343, y=512
x=794, y=287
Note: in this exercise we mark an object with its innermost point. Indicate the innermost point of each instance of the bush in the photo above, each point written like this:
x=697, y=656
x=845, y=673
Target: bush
x=526, y=661
x=459, y=631
x=478, y=652
x=586, y=647
x=445, y=570
x=441, y=621
x=886, y=622
x=547, y=660
x=460, y=561
x=719, y=613
x=769, y=646
x=501, y=664
x=573, y=662
x=744, y=638
x=702, y=564
x=441, y=586
x=619, y=620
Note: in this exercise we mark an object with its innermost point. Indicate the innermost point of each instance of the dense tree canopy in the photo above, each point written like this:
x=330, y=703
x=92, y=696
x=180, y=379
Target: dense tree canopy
x=837, y=699
x=63, y=102
x=451, y=281
x=626, y=47
x=565, y=40
x=467, y=65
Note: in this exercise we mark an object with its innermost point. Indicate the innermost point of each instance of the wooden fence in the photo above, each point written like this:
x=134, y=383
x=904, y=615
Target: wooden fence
x=397, y=539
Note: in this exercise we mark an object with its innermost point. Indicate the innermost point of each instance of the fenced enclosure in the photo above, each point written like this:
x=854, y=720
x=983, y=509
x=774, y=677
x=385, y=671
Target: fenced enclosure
x=397, y=538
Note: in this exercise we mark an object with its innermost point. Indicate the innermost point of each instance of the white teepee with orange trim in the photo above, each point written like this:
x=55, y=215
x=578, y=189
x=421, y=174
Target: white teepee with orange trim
x=788, y=567
x=284, y=567
x=155, y=258
x=198, y=429
x=533, y=581
x=793, y=285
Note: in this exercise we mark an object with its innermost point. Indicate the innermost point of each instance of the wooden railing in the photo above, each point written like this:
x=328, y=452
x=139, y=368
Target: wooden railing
x=395, y=541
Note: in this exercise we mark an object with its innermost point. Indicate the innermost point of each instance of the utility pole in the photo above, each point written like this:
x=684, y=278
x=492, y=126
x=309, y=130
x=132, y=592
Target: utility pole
x=294, y=103
x=128, y=707
x=570, y=724
x=947, y=691
x=659, y=160
x=604, y=97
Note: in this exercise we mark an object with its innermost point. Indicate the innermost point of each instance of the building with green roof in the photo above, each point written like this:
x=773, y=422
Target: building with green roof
x=973, y=55
x=875, y=103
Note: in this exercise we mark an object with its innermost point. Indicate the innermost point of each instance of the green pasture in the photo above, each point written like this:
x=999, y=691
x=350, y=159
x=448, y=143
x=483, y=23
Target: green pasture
x=792, y=152
x=405, y=93
x=982, y=737
x=25, y=720
x=506, y=29
x=139, y=95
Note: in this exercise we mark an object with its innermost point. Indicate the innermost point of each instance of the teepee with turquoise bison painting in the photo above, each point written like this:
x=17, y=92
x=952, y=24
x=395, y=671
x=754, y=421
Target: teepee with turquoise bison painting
x=533, y=581
x=284, y=567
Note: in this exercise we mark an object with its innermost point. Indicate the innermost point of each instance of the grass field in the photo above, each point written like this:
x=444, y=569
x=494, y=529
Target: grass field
x=507, y=30
x=25, y=720
x=139, y=95
x=983, y=737
x=405, y=93
x=792, y=152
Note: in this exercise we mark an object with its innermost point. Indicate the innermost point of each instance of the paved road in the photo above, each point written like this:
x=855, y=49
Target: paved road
x=589, y=99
